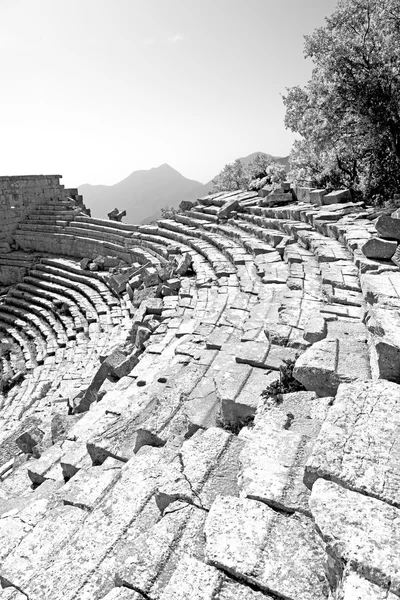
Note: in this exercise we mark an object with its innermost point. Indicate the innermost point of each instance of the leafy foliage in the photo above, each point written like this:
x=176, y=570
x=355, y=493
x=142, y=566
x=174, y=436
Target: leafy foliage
x=237, y=176
x=169, y=212
x=237, y=425
x=286, y=383
x=348, y=115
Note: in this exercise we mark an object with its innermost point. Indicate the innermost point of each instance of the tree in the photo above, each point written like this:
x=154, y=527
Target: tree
x=348, y=114
x=234, y=176
x=237, y=176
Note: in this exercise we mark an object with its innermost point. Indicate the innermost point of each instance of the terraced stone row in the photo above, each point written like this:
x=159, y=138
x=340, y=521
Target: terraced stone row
x=151, y=498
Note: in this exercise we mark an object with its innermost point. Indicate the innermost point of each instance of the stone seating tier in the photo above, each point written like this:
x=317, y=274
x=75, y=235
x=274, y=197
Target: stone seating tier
x=140, y=434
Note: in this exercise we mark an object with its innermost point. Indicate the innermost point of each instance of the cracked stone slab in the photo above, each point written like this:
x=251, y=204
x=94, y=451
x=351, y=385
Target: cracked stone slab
x=355, y=587
x=276, y=450
x=330, y=362
x=359, y=444
x=358, y=530
x=89, y=486
x=195, y=580
x=276, y=553
x=207, y=466
x=39, y=545
x=152, y=557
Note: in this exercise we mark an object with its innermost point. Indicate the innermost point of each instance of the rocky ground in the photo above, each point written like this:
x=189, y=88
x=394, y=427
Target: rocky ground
x=140, y=458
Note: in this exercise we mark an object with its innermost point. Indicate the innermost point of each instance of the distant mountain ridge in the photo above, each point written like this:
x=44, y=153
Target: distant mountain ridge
x=144, y=193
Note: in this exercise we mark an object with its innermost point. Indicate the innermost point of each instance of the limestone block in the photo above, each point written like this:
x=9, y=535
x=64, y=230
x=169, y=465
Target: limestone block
x=360, y=531
x=380, y=248
x=330, y=362
x=197, y=581
x=227, y=208
x=99, y=532
x=315, y=329
x=273, y=459
x=355, y=587
x=303, y=193
x=387, y=227
x=253, y=353
x=358, y=445
x=317, y=196
x=89, y=486
x=154, y=555
x=383, y=288
x=39, y=545
x=276, y=553
x=337, y=196
x=384, y=326
x=207, y=466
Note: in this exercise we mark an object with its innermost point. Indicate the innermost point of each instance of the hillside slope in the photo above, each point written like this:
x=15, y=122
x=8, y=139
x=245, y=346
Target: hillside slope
x=142, y=193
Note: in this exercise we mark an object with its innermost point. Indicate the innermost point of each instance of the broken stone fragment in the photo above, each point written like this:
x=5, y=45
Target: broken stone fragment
x=360, y=531
x=85, y=263
x=27, y=441
x=377, y=247
x=315, y=329
x=183, y=264
x=227, y=208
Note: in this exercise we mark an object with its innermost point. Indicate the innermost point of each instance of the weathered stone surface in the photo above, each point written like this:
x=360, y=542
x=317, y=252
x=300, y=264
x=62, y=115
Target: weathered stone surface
x=317, y=196
x=153, y=556
x=277, y=448
x=358, y=530
x=89, y=544
x=355, y=587
x=358, y=445
x=89, y=486
x=315, y=329
x=383, y=288
x=195, y=580
x=228, y=207
x=207, y=466
x=336, y=196
x=387, y=227
x=377, y=247
x=123, y=593
x=384, y=326
x=39, y=545
x=330, y=362
x=276, y=553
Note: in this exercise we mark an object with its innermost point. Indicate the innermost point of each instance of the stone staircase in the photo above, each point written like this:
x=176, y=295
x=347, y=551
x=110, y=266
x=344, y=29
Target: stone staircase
x=180, y=479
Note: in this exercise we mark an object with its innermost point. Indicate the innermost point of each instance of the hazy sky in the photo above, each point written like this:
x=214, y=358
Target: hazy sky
x=96, y=89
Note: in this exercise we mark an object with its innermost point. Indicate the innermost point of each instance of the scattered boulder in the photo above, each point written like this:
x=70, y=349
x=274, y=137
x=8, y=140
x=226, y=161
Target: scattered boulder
x=184, y=263
x=116, y=214
x=379, y=248
x=388, y=227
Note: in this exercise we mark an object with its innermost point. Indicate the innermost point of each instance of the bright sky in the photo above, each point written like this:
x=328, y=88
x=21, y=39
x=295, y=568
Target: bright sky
x=96, y=89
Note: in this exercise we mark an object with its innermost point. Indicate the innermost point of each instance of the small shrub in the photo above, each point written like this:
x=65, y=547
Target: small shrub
x=286, y=383
x=235, y=426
